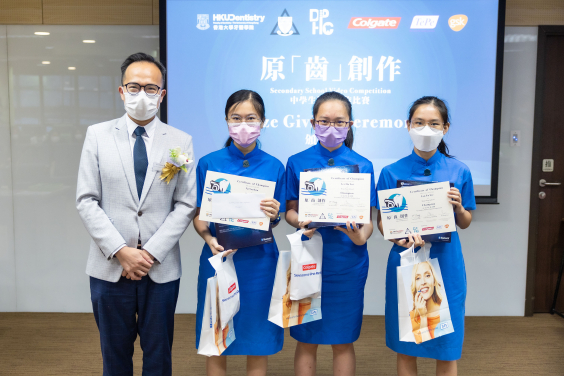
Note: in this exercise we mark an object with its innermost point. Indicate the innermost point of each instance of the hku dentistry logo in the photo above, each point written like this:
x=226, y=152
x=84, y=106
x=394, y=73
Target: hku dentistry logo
x=314, y=187
x=394, y=204
x=218, y=186
x=203, y=21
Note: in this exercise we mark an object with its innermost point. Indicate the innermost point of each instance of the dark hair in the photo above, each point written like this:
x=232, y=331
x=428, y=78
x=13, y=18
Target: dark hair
x=441, y=106
x=241, y=96
x=141, y=56
x=332, y=96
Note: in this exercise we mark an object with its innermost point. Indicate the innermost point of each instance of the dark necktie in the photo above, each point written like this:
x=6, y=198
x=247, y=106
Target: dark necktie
x=140, y=160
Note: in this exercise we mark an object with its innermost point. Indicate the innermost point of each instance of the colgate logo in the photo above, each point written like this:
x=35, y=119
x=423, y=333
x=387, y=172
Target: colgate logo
x=342, y=216
x=309, y=267
x=242, y=220
x=427, y=228
x=231, y=288
x=374, y=22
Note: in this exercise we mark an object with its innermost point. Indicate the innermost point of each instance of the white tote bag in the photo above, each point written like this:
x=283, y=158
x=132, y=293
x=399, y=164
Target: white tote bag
x=228, y=286
x=213, y=339
x=307, y=258
x=285, y=312
x=420, y=276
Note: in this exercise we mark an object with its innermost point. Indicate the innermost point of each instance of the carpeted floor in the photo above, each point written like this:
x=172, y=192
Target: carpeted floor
x=68, y=344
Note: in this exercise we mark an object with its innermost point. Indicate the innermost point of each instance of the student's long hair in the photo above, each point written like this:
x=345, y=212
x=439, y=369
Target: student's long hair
x=441, y=106
x=332, y=96
x=241, y=96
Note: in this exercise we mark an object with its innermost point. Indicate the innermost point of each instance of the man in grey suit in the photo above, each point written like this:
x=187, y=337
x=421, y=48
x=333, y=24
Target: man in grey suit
x=135, y=220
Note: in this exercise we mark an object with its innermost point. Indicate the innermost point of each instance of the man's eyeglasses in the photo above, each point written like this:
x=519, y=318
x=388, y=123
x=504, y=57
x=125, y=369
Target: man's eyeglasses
x=134, y=88
x=337, y=124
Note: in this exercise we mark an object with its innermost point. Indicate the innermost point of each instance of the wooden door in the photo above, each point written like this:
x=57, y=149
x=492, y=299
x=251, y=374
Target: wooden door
x=547, y=187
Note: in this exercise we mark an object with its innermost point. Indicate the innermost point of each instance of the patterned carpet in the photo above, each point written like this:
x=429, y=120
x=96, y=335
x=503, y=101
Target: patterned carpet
x=67, y=344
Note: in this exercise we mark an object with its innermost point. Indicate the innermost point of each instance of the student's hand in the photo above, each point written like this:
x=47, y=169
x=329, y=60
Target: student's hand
x=354, y=233
x=307, y=232
x=270, y=207
x=456, y=200
x=134, y=262
x=228, y=252
x=214, y=246
x=414, y=240
x=420, y=305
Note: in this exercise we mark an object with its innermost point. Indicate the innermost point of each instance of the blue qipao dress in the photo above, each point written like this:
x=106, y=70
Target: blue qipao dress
x=255, y=266
x=441, y=168
x=345, y=265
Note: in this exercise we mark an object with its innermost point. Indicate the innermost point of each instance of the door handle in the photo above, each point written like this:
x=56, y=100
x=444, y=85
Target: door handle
x=543, y=183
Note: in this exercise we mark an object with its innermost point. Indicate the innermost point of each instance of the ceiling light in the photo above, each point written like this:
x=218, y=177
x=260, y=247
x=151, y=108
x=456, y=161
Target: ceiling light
x=42, y=33
x=45, y=62
x=88, y=41
x=72, y=68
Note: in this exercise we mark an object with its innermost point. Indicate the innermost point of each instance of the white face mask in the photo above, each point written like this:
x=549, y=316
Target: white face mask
x=426, y=138
x=141, y=107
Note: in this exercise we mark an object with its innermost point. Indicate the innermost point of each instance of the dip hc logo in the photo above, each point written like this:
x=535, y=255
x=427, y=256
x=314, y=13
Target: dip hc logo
x=316, y=17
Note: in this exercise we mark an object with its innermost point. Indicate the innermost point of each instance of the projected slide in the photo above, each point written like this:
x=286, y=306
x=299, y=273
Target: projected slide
x=382, y=55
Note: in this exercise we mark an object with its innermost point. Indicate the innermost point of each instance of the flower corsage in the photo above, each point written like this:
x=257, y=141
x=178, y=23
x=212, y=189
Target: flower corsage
x=177, y=161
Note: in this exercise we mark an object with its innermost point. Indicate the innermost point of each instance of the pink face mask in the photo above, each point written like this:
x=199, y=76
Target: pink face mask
x=330, y=136
x=244, y=133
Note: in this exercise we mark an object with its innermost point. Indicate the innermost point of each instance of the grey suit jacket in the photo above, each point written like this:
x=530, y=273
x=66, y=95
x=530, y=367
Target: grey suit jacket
x=107, y=200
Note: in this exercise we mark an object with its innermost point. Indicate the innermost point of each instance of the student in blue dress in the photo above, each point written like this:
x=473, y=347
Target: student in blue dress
x=256, y=337
x=345, y=257
x=430, y=162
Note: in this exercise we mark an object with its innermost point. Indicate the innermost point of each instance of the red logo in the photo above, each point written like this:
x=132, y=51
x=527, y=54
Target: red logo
x=260, y=223
x=342, y=216
x=361, y=217
x=427, y=228
x=446, y=226
x=242, y=220
x=309, y=267
x=231, y=288
x=374, y=22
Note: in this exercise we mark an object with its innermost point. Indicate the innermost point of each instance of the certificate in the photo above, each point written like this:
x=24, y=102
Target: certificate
x=421, y=209
x=218, y=184
x=237, y=205
x=334, y=197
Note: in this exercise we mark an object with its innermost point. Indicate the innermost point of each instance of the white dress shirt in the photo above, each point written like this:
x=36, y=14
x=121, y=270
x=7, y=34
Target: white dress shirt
x=148, y=137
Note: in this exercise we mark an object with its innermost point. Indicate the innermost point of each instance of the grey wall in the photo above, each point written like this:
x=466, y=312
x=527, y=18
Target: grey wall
x=44, y=246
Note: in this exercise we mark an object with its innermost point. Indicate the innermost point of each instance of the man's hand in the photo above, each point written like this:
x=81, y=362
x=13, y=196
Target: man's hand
x=147, y=255
x=134, y=262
